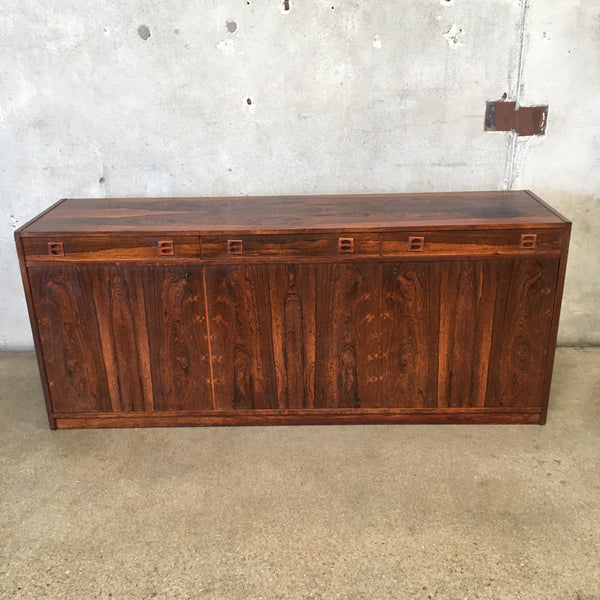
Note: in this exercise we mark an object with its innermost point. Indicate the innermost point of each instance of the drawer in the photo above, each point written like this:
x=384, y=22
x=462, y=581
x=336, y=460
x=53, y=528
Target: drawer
x=111, y=247
x=499, y=241
x=295, y=245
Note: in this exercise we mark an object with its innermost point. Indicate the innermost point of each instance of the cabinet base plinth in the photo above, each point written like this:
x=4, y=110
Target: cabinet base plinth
x=300, y=417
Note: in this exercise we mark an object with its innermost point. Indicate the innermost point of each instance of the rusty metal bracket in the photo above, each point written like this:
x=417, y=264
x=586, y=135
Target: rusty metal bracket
x=526, y=120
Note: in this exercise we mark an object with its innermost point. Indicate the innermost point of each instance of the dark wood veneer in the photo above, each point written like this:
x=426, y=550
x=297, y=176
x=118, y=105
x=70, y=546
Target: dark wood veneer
x=391, y=308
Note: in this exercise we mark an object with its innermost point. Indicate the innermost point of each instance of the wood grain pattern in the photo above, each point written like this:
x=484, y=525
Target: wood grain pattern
x=279, y=247
x=121, y=315
x=290, y=246
x=555, y=321
x=293, y=336
x=293, y=316
x=472, y=242
x=79, y=248
x=347, y=305
x=33, y=319
x=70, y=335
x=408, y=349
x=521, y=332
x=178, y=337
x=123, y=339
x=302, y=417
x=293, y=214
x=241, y=334
x=467, y=300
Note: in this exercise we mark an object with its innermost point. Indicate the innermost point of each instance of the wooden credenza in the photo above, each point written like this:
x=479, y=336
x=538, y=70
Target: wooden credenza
x=422, y=308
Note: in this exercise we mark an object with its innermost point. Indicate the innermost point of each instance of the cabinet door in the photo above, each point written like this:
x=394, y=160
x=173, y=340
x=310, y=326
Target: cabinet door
x=70, y=338
x=465, y=333
x=293, y=336
x=123, y=338
x=347, y=329
x=468, y=292
x=408, y=352
x=175, y=322
x=523, y=314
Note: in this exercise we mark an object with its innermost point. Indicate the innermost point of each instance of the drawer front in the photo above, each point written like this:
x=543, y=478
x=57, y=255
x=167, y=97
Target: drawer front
x=82, y=248
x=480, y=242
x=295, y=245
x=231, y=247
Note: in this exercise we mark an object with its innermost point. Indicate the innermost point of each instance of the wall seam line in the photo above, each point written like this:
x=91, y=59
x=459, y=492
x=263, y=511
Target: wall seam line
x=512, y=151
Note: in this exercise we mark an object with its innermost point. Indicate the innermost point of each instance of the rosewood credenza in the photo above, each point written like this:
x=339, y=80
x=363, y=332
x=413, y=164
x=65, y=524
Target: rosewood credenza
x=395, y=308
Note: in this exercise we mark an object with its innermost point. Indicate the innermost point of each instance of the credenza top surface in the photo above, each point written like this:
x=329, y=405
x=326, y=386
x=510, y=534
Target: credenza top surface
x=264, y=214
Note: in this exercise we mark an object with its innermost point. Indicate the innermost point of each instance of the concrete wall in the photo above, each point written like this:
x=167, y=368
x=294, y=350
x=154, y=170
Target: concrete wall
x=233, y=97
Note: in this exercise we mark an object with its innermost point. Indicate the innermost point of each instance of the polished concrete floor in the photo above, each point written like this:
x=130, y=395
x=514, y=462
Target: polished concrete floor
x=375, y=512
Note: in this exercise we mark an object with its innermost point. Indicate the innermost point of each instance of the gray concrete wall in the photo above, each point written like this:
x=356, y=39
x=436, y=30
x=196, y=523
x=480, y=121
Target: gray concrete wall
x=150, y=97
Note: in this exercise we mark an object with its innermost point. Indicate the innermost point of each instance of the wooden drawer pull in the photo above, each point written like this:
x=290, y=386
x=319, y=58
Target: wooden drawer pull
x=416, y=244
x=528, y=240
x=56, y=249
x=235, y=247
x=346, y=244
x=165, y=248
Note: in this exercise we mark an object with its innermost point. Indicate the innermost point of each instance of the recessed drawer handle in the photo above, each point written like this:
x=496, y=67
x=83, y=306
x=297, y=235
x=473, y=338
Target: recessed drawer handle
x=528, y=240
x=56, y=249
x=416, y=244
x=165, y=248
x=346, y=244
x=235, y=247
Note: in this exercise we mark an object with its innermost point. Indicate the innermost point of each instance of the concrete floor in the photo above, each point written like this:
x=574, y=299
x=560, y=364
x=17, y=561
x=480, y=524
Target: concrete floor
x=303, y=512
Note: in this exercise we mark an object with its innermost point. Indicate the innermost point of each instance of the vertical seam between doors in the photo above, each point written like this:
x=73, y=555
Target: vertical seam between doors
x=380, y=292
x=210, y=360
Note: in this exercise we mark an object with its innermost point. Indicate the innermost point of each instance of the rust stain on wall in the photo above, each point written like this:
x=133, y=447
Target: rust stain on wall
x=526, y=120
